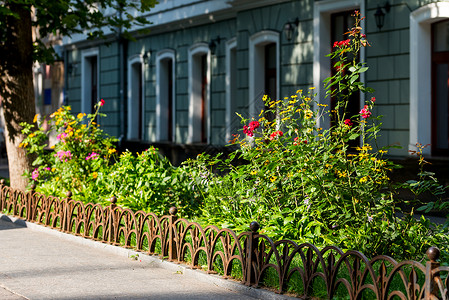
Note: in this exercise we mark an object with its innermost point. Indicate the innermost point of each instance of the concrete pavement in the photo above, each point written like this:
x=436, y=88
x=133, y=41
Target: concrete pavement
x=41, y=263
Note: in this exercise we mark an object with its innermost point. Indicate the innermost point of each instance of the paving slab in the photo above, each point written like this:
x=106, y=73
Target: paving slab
x=37, y=265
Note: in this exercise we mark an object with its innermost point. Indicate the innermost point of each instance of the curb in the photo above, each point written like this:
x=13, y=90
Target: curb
x=154, y=260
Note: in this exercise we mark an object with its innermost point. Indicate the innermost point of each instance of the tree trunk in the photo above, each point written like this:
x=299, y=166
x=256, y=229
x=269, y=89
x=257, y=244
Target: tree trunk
x=16, y=88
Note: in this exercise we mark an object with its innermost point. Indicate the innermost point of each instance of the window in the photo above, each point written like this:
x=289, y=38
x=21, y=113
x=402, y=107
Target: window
x=165, y=96
x=135, y=98
x=327, y=12
x=232, y=120
x=89, y=80
x=263, y=70
x=440, y=88
x=421, y=89
x=199, y=89
x=340, y=23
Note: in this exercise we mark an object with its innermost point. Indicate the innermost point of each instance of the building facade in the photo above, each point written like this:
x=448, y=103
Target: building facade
x=203, y=60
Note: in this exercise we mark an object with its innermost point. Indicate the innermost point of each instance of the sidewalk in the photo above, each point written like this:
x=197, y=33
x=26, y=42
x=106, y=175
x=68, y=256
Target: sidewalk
x=40, y=263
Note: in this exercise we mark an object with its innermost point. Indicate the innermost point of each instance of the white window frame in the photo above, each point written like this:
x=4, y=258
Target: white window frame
x=322, y=47
x=421, y=72
x=161, y=56
x=86, y=80
x=132, y=131
x=231, y=45
x=194, y=132
x=256, y=65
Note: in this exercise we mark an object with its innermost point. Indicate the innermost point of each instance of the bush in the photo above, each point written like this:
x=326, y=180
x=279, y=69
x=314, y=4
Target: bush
x=309, y=184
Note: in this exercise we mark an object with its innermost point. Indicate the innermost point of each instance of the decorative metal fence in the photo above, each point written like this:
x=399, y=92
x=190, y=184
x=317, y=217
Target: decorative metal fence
x=253, y=258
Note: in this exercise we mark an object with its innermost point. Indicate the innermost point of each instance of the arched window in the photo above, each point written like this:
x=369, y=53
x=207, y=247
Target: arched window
x=264, y=64
x=422, y=58
x=329, y=21
x=135, y=98
x=199, y=94
x=165, y=95
x=232, y=120
x=90, y=80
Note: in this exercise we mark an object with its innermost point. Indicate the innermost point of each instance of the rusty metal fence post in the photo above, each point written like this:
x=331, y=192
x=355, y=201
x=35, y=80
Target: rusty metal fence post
x=111, y=221
x=431, y=284
x=29, y=205
x=251, y=255
x=172, y=249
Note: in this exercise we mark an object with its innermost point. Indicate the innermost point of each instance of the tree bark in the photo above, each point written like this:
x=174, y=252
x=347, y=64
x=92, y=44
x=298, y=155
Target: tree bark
x=16, y=88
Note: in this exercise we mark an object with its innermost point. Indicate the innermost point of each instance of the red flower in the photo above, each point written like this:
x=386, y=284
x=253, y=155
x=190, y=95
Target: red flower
x=365, y=112
x=247, y=131
x=348, y=122
x=101, y=102
x=373, y=99
x=276, y=134
x=253, y=125
x=296, y=141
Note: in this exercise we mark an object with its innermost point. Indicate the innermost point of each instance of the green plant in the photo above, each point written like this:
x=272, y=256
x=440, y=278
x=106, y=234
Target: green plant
x=311, y=184
x=149, y=182
x=81, y=152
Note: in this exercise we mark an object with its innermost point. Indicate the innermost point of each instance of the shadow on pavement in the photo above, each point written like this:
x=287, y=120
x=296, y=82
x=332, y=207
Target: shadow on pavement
x=6, y=223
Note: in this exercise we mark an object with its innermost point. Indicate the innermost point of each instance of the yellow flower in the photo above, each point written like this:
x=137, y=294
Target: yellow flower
x=53, y=169
x=94, y=175
x=264, y=98
x=253, y=172
x=341, y=174
x=261, y=113
x=80, y=115
x=32, y=135
x=35, y=118
x=311, y=88
x=298, y=91
x=363, y=179
x=52, y=147
x=111, y=150
x=273, y=178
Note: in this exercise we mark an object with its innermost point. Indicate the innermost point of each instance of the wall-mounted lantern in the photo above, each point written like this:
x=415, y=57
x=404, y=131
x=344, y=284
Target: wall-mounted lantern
x=146, y=56
x=289, y=29
x=379, y=15
x=213, y=44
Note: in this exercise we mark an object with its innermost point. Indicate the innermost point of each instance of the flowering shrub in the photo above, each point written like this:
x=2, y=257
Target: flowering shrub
x=81, y=151
x=310, y=184
x=83, y=161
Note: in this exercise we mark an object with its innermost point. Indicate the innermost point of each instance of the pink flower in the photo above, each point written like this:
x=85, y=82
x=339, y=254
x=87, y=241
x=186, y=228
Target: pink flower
x=61, y=136
x=47, y=168
x=276, y=134
x=35, y=174
x=63, y=155
x=365, y=112
x=348, y=122
x=101, y=102
x=253, y=125
x=93, y=155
